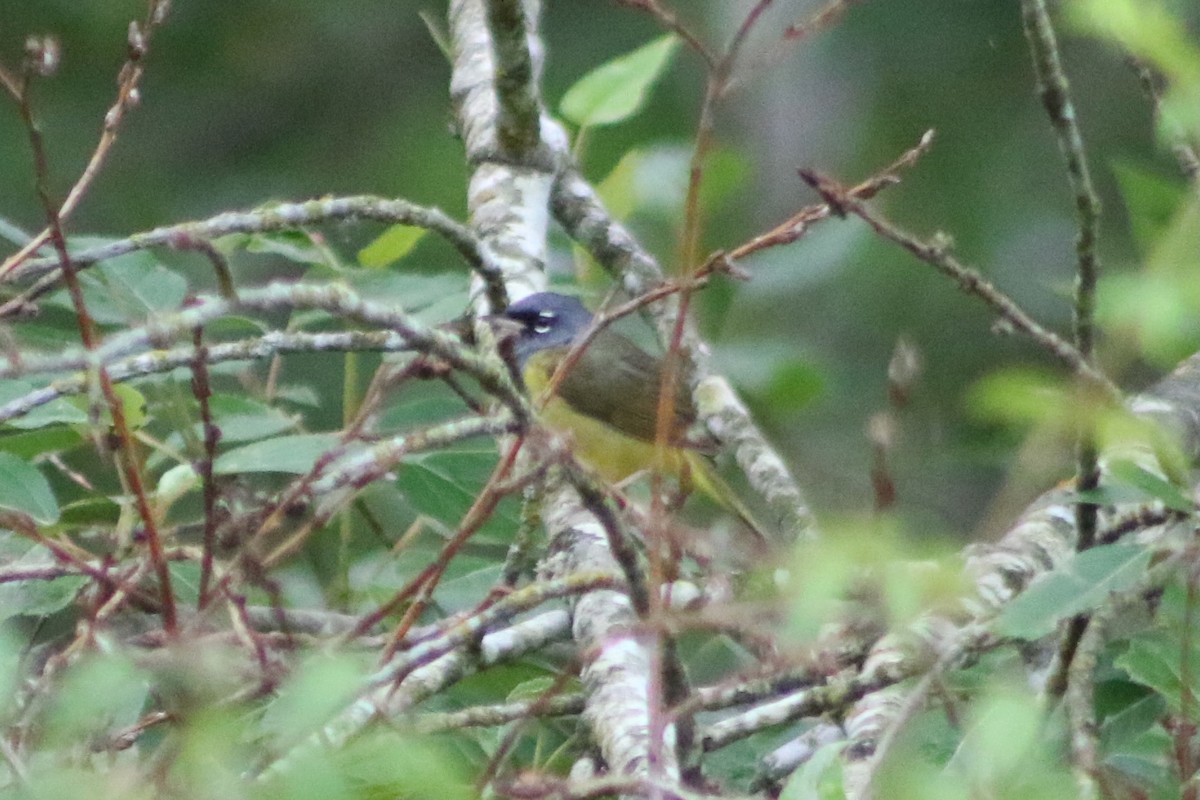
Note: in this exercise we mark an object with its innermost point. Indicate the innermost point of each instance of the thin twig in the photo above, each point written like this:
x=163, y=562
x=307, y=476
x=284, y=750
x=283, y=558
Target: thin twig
x=670, y=20
x=798, y=224
x=937, y=254
x=128, y=97
x=272, y=218
x=494, y=716
x=1056, y=98
x=479, y=513
x=822, y=19
x=202, y=391
x=127, y=459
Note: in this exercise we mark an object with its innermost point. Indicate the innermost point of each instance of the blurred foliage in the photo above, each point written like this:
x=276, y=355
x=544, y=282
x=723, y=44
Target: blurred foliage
x=251, y=103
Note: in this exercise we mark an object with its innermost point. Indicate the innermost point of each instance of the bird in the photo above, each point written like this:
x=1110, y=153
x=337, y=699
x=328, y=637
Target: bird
x=608, y=400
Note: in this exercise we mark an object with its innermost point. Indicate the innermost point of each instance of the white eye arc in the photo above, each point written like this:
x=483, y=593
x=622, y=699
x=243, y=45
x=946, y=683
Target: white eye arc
x=545, y=321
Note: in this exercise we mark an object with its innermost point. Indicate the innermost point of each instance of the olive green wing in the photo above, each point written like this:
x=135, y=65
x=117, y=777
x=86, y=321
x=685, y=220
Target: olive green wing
x=618, y=383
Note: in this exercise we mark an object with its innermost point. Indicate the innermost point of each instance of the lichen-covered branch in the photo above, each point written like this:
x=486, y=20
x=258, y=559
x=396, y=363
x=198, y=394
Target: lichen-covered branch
x=278, y=217
x=1040, y=541
x=508, y=197
x=510, y=180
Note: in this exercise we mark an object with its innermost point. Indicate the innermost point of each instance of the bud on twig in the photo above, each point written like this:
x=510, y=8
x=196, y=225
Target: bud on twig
x=42, y=55
x=904, y=370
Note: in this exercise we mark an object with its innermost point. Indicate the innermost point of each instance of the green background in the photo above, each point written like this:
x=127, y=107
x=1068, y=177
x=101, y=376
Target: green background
x=250, y=101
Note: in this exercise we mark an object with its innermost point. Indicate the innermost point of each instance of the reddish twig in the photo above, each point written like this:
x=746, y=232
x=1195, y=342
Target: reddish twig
x=798, y=224
x=480, y=512
x=128, y=96
x=825, y=17
x=127, y=458
x=202, y=391
x=671, y=22
x=937, y=254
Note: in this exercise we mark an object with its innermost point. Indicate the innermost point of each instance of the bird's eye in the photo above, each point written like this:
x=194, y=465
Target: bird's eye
x=545, y=321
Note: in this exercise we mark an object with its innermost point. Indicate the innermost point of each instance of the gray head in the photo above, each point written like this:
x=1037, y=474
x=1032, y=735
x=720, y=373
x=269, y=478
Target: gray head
x=547, y=320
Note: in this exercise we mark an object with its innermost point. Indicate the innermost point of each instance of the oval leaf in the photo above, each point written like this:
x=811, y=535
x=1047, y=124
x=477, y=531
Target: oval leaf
x=295, y=454
x=390, y=246
x=1080, y=584
x=617, y=90
x=23, y=488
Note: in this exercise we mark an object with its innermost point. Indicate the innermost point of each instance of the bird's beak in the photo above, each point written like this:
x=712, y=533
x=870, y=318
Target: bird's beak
x=504, y=327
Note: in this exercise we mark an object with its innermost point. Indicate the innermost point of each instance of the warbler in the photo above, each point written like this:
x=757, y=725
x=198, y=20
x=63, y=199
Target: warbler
x=608, y=400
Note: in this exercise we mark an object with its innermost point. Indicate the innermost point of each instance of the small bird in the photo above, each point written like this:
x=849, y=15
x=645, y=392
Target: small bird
x=608, y=399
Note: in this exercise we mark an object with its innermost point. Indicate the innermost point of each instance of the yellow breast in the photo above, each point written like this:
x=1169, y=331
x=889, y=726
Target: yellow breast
x=612, y=454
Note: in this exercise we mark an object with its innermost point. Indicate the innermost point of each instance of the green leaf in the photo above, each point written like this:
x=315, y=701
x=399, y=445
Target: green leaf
x=1135, y=744
x=321, y=687
x=1150, y=199
x=314, y=777
x=23, y=488
x=96, y=693
x=1154, y=659
x=474, y=579
x=1132, y=722
x=617, y=90
x=295, y=246
x=617, y=190
x=1020, y=397
x=42, y=440
x=133, y=405
x=532, y=689
x=443, y=485
x=1160, y=305
x=1152, y=309
x=1145, y=29
x=1175, y=251
x=819, y=777
x=56, y=411
x=242, y=419
x=410, y=291
x=1151, y=485
x=387, y=764
x=128, y=289
x=1079, y=585
x=174, y=484
x=33, y=598
x=38, y=598
x=1164, y=658
x=726, y=172
x=426, y=403
x=390, y=246
x=660, y=179
x=293, y=454
x=185, y=580
x=1146, y=763
x=93, y=510
x=653, y=180
x=1006, y=750
x=438, y=482
x=298, y=394
x=794, y=385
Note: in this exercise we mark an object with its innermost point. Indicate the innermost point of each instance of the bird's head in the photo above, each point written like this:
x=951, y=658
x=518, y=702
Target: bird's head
x=545, y=320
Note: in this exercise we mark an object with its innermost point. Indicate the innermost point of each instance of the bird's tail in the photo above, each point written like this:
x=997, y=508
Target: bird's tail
x=703, y=475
